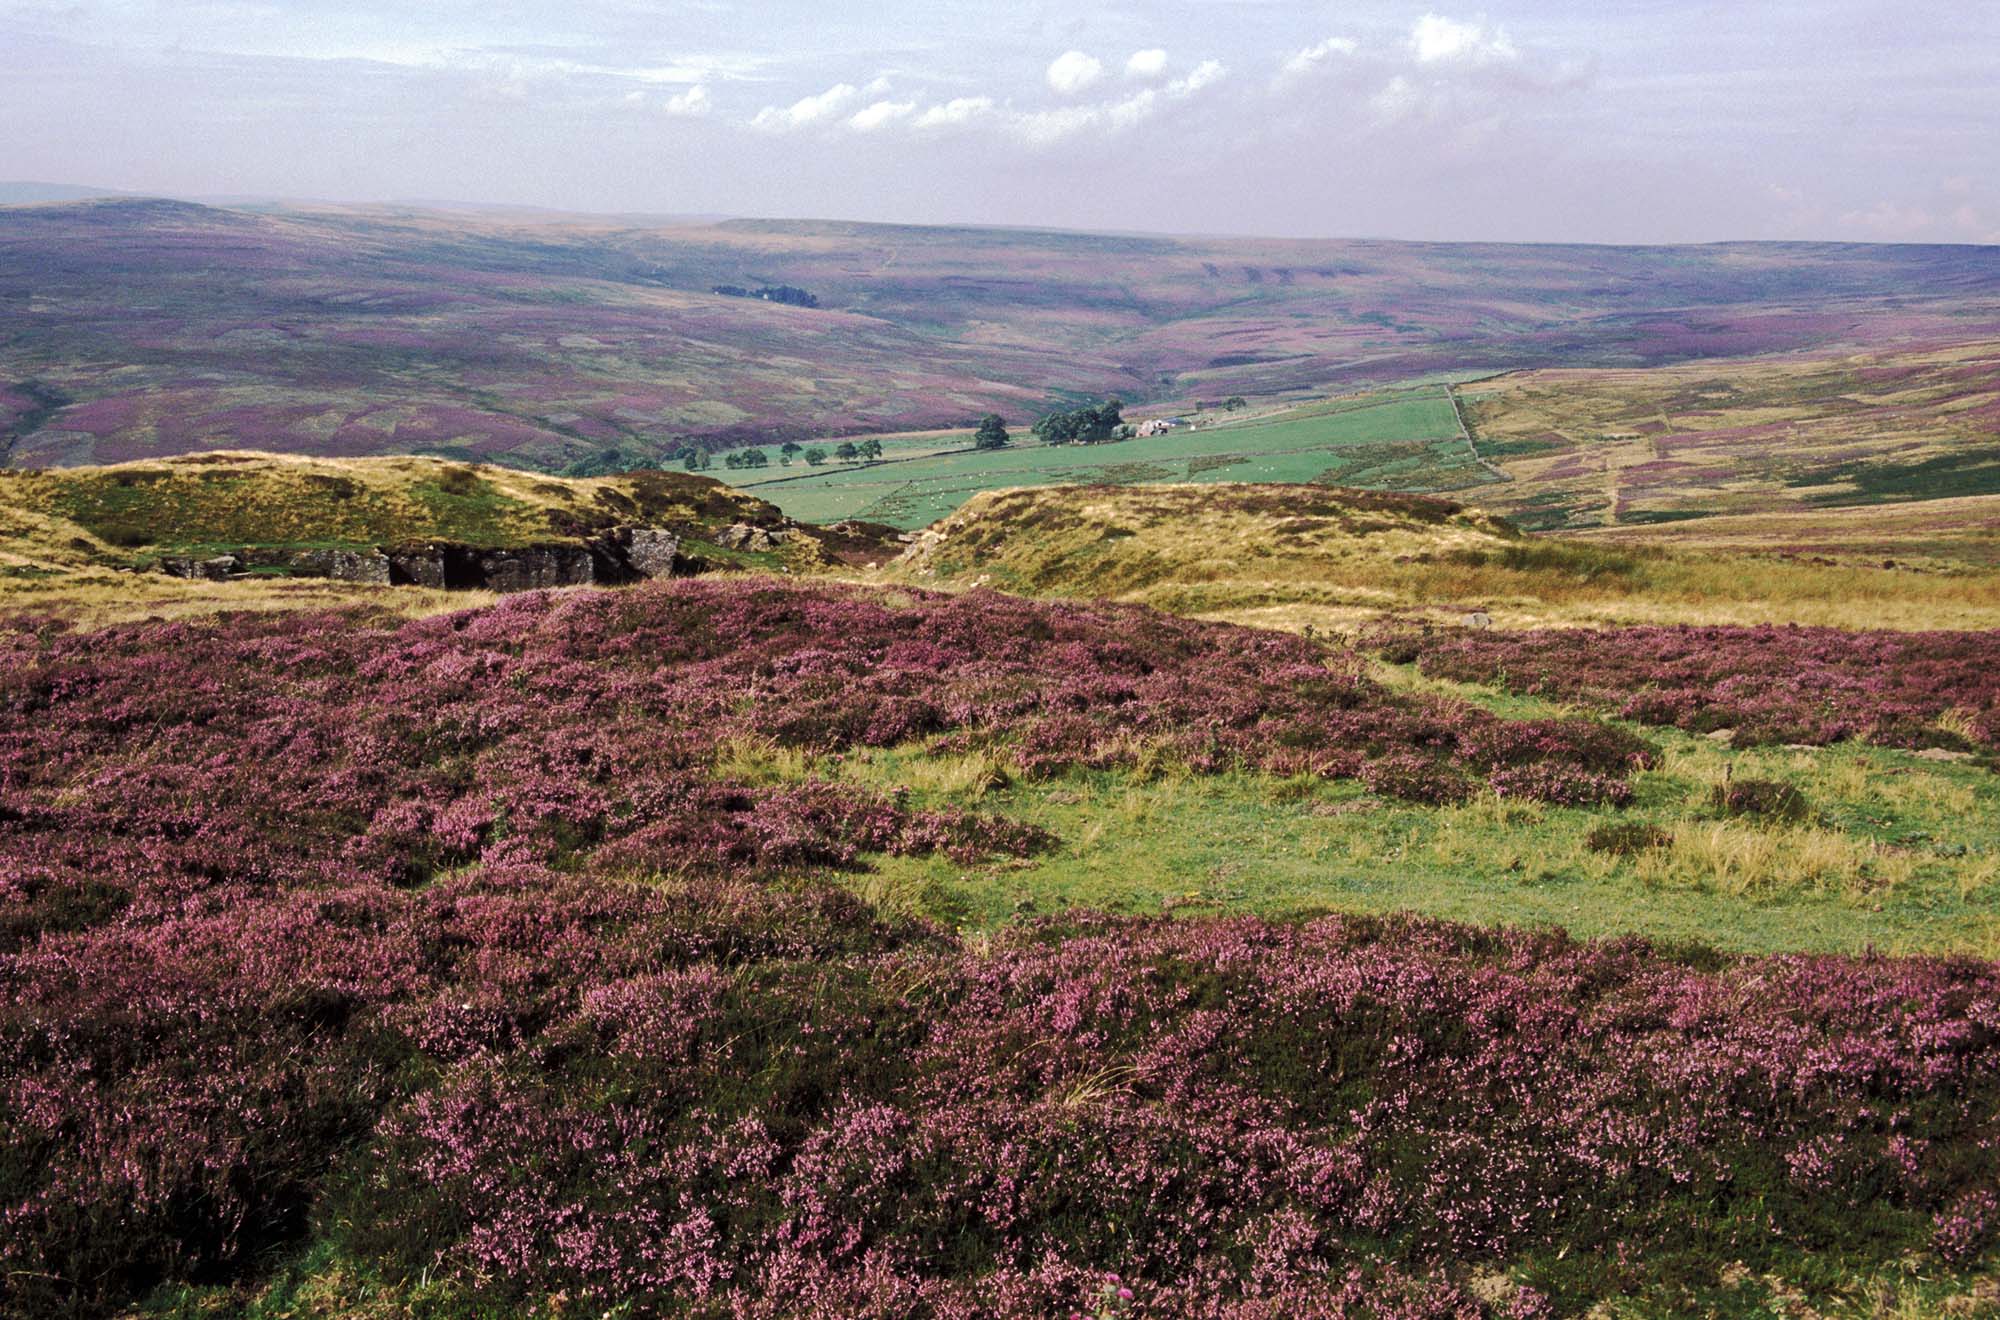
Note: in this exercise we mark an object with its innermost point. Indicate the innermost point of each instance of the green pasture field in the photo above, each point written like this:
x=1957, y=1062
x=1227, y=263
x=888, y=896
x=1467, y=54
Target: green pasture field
x=1399, y=440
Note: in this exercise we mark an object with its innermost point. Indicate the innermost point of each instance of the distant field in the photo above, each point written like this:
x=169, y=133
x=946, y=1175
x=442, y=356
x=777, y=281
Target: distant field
x=1398, y=439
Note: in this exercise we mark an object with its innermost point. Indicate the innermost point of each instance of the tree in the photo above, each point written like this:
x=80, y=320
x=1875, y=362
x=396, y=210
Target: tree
x=815, y=456
x=787, y=452
x=1233, y=402
x=846, y=452
x=1082, y=426
x=871, y=448
x=756, y=458
x=992, y=433
x=1104, y=422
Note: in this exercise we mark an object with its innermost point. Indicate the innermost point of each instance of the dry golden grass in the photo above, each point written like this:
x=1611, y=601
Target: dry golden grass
x=98, y=598
x=1272, y=556
x=237, y=498
x=70, y=537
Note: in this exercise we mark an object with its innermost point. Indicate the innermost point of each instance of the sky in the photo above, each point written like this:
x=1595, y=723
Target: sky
x=1625, y=121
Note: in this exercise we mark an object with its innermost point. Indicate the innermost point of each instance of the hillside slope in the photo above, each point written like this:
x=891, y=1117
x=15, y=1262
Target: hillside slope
x=1797, y=440
x=1298, y=556
x=311, y=531
x=142, y=328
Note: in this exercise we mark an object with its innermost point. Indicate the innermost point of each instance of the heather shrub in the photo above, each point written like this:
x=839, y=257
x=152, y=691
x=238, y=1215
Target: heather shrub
x=476, y=944
x=1559, y=784
x=1766, y=684
x=1223, y=1112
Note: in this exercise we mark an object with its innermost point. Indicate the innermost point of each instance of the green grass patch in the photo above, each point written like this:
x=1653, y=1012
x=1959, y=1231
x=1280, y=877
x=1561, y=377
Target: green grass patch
x=1894, y=853
x=1404, y=440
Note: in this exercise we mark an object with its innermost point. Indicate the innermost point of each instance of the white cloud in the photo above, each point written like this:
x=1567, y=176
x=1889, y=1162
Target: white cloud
x=1146, y=64
x=951, y=114
x=878, y=87
x=1203, y=75
x=1042, y=128
x=1306, y=61
x=1073, y=71
x=809, y=110
x=1436, y=39
x=1132, y=110
x=1399, y=99
x=691, y=103
x=881, y=113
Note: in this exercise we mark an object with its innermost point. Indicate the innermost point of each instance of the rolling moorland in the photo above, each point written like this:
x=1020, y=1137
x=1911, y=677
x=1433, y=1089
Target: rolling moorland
x=1520, y=892
x=139, y=328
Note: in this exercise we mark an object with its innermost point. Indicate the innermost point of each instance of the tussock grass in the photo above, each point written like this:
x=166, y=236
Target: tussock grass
x=1740, y=859
x=969, y=776
x=755, y=762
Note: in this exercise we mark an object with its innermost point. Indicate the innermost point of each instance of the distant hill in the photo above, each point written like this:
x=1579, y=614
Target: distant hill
x=142, y=328
x=20, y=193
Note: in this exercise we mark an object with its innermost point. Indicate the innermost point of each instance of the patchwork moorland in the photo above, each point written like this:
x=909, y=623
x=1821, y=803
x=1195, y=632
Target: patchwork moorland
x=139, y=328
x=1141, y=880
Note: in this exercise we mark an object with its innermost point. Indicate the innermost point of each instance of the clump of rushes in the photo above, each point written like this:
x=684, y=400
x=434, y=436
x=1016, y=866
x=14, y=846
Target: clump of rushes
x=1765, y=799
x=1628, y=838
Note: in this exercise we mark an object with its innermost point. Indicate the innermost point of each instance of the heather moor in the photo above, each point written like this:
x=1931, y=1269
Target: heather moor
x=692, y=661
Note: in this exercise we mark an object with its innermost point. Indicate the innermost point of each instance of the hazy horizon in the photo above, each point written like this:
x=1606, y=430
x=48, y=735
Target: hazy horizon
x=1652, y=122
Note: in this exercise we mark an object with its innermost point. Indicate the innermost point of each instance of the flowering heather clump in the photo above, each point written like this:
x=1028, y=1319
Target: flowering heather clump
x=1768, y=684
x=451, y=942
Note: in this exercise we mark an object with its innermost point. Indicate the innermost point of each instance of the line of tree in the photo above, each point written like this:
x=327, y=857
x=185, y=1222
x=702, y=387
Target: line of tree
x=1088, y=425
x=746, y=458
x=790, y=295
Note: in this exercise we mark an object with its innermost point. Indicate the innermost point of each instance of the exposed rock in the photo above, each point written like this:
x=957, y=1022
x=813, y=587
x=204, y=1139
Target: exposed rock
x=532, y=568
x=624, y=554
x=215, y=569
x=1479, y=619
x=370, y=566
x=745, y=536
x=1943, y=754
x=418, y=568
